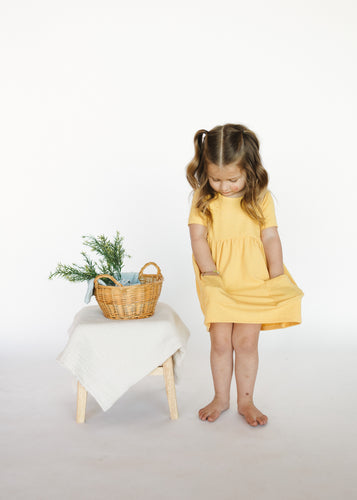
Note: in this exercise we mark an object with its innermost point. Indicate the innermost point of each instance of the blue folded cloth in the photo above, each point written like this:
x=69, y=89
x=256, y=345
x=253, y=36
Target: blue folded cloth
x=126, y=279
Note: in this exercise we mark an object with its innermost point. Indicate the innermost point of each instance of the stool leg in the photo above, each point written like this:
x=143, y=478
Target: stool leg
x=170, y=387
x=81, y=403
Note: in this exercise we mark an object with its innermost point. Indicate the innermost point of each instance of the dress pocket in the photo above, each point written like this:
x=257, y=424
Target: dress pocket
x=281, y=276
x=214, y=280
x=281, y=284
x=282, y=280
x=282, y=288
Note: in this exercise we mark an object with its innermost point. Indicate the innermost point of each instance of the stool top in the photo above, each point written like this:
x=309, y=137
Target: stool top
x=94, y=315
x=110, y=355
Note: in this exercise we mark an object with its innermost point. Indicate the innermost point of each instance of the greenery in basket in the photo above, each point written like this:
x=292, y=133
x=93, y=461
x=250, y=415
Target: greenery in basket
x=111, y=263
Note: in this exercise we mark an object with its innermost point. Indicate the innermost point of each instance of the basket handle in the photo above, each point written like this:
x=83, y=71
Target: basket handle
x=106, y=276
x=141, y=272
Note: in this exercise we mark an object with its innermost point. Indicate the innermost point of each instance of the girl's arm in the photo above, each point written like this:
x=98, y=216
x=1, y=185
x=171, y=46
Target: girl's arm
x=273, y=251
x=200, y=248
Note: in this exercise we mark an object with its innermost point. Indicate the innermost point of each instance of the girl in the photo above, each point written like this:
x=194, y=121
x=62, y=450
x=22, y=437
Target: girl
x=242, y=283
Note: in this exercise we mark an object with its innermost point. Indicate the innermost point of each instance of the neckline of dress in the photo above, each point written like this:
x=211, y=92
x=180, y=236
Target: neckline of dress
x=230, y=197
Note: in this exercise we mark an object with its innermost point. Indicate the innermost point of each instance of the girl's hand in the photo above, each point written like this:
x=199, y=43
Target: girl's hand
x=200, y=247
x=273, y=251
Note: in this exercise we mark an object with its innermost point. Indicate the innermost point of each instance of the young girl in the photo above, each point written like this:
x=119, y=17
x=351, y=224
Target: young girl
x=242, y=283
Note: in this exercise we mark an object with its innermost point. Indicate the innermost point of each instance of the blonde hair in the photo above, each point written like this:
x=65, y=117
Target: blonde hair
x=223, y=145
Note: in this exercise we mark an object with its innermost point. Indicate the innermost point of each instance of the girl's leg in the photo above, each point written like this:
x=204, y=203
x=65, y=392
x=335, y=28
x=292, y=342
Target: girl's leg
x=222, y=370
x=245, y=343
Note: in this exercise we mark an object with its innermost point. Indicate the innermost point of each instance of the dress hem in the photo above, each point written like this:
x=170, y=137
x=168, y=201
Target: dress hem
x=265, y=326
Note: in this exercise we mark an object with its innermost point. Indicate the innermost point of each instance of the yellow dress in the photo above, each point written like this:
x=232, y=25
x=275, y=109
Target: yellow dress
x=243, y=292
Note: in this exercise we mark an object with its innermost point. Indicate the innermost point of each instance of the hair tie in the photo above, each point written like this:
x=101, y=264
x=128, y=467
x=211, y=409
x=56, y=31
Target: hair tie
x=203, y=137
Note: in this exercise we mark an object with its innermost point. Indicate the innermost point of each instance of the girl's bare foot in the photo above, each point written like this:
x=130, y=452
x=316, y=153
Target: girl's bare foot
x=213, y=410
x=252, y=415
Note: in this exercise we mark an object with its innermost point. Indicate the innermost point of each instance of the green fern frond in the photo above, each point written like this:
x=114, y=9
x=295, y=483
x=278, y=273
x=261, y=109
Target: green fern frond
x=111, y=263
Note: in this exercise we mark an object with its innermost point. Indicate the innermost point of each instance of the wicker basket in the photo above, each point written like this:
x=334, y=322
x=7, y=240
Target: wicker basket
x=129, y=302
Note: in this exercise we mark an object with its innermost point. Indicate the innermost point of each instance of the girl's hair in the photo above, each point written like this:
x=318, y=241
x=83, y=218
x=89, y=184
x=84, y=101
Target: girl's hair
x=223, y=145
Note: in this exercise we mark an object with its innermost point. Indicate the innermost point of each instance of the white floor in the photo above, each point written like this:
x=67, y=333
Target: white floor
x=134, y=451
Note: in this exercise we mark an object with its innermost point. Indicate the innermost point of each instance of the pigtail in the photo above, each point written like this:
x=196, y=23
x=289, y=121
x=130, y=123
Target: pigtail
x=195, y=169
x=197, y=176
x=256, y=178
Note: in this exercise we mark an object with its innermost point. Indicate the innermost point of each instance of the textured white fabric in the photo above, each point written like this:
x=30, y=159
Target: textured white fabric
x=108, y=356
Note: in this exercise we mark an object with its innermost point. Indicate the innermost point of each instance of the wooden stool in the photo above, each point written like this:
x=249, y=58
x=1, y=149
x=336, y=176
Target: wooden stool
x=166, y=369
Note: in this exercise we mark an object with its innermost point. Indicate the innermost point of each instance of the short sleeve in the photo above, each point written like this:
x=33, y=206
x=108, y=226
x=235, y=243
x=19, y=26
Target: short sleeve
x=268, y=211
x=196, y=217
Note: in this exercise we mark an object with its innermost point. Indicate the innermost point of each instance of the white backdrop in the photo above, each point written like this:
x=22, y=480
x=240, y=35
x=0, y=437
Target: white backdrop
x=99, y=106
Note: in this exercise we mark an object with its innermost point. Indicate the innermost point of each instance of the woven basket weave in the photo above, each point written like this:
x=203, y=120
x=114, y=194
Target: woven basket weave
x=129, y=302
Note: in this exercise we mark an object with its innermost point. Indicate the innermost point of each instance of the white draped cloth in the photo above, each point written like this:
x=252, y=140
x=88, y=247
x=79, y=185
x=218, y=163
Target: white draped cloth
x=108, y=356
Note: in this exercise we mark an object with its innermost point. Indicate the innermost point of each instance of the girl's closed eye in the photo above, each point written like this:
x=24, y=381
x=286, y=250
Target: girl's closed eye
x=230, y=180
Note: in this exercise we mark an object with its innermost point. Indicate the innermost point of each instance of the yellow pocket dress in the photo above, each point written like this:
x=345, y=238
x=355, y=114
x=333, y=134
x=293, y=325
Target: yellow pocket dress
x=243, y=292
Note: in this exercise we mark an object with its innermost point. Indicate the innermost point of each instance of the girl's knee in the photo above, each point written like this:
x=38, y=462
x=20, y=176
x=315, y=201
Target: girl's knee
x=220, y=347
x=245, y=345
x=221, y=337
x=245, y=339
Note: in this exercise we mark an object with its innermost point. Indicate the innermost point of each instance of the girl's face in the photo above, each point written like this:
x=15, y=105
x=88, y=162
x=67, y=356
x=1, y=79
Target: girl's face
x=228, y=180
